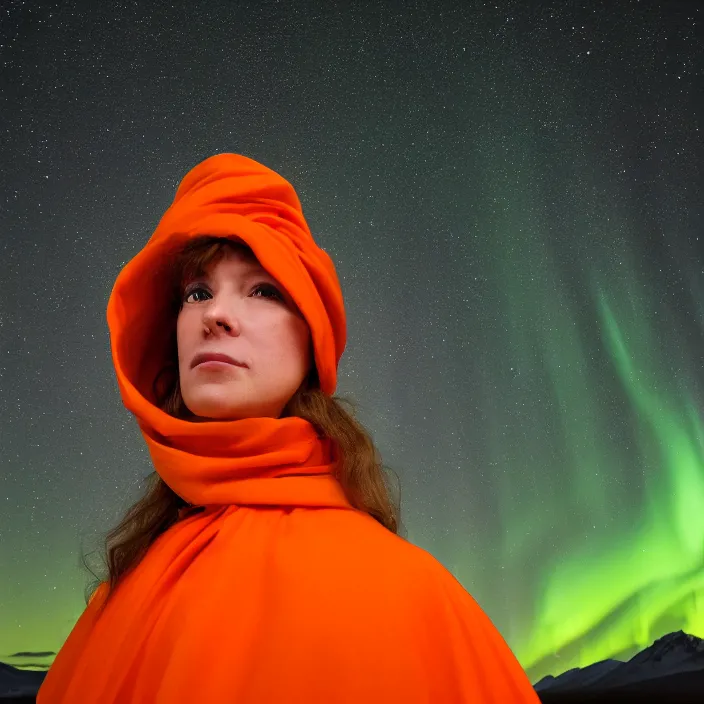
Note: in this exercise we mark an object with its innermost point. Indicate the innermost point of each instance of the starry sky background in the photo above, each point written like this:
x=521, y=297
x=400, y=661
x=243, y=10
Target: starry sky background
x=511, y=192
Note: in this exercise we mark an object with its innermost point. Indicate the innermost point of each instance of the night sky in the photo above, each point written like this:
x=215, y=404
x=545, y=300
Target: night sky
x=511, y=193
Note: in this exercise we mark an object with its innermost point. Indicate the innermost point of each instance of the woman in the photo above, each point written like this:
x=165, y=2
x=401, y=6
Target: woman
x=264, y=564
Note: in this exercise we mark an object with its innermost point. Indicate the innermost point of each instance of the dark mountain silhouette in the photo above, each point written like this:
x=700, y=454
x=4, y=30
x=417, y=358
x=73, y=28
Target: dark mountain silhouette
x=670, y=670
x=17, y=683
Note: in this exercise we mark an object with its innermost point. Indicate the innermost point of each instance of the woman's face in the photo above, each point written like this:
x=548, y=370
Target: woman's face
x=240, y=310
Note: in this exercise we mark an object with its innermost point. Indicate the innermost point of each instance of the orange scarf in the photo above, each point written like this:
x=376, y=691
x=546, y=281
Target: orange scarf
x=279, y=590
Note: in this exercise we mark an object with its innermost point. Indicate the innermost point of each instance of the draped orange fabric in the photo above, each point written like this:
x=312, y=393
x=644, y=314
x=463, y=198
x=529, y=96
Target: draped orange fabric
x=272, y=588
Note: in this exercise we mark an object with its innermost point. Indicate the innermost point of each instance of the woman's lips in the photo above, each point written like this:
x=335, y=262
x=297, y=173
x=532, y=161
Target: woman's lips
x=217, y=357
x=215, y=364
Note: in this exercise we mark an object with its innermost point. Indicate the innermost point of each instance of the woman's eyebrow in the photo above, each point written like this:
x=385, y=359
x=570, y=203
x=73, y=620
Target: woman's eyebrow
x=256, y=268
x=249, y=273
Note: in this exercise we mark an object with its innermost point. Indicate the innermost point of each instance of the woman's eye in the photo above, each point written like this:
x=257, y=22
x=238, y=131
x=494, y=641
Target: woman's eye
x=259, y=287
x=190, y=292
x=269, y=287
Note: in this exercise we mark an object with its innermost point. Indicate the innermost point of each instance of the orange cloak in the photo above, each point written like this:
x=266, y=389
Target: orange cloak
x=273, y=588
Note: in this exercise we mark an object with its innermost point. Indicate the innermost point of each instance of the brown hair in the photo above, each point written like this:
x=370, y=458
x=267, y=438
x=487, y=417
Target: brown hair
x=359, y=468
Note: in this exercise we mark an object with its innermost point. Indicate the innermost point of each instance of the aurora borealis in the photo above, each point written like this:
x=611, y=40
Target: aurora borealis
x=512, y=195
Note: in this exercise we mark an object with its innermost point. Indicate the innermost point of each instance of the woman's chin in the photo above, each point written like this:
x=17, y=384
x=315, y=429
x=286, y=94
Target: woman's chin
x=212, y=411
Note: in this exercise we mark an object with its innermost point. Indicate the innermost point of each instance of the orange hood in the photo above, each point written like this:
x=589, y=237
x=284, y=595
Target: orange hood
x=228, y=462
